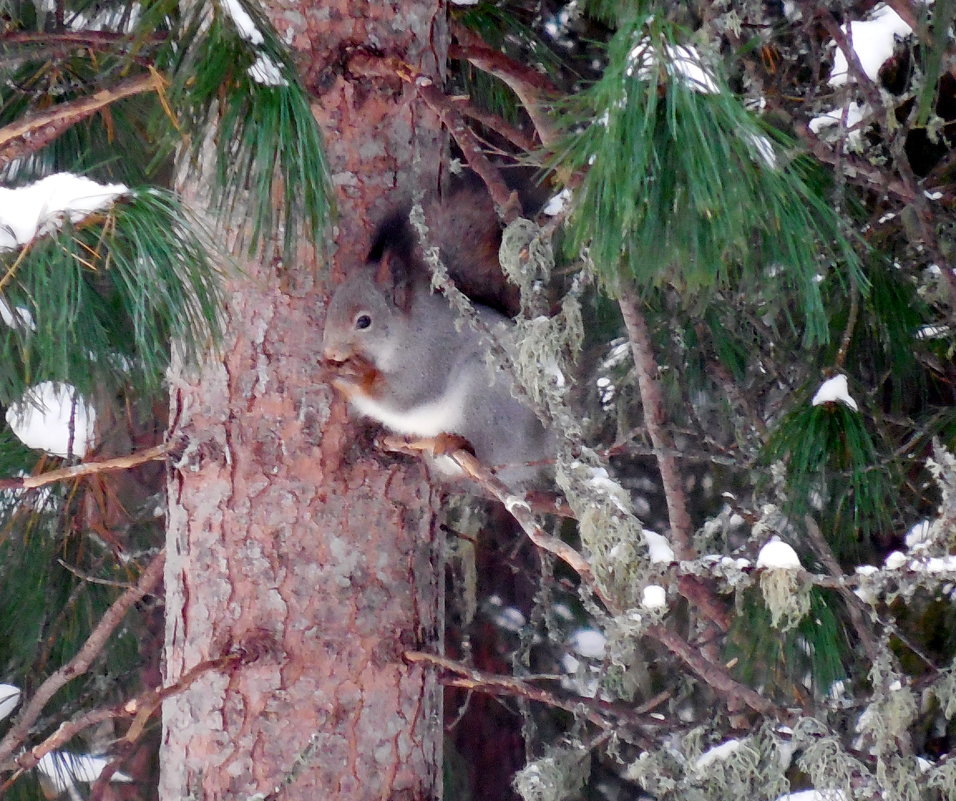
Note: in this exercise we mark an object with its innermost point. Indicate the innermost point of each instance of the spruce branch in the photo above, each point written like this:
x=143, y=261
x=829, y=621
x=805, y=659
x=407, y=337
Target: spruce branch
x=35, y=131
x=83, y=659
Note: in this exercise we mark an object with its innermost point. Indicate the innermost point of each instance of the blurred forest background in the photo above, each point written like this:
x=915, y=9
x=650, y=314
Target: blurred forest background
x=738, y=300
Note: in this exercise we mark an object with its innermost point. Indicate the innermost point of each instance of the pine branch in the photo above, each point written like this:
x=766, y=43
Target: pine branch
x=853, y=602
x=83, y=659
x=85, y=469
x=35, y=131
x=924, y=214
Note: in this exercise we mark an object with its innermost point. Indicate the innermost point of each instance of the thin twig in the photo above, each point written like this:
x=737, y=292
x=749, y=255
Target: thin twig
x=495, y=684
x=153, y=454
x=81, y=662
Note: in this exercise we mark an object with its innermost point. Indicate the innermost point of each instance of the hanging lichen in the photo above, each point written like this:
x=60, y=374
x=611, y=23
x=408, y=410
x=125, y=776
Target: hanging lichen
x=555, y=777
x=611, y=533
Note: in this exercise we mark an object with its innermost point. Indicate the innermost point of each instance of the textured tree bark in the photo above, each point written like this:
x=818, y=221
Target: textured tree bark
x=291, y=541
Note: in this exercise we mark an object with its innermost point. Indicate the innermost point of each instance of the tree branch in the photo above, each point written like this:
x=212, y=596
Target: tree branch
x=31, y=133
x=153, y=454
x=517, y=507
x=494, y=684
x=715, y=675
x=533, y=89
x=364, y=63
x=81, y=662
x=655, y=418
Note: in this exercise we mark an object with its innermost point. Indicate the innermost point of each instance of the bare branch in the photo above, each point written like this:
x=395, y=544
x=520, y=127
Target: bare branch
x=715, y=675
x=655, y=418
x=515, y=503
x=85, y=469
x=364, y=63
x=81, y=662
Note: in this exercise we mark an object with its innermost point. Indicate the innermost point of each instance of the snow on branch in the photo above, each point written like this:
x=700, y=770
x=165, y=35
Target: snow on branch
x=42, y=207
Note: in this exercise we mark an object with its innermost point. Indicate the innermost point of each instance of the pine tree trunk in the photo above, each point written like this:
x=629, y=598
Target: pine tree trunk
x=292, y=543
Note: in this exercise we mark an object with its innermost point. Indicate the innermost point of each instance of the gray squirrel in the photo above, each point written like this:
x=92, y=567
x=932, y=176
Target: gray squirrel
x=402, y=356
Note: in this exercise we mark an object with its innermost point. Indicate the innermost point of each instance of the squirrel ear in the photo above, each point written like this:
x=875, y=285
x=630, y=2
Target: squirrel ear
x=392, y=275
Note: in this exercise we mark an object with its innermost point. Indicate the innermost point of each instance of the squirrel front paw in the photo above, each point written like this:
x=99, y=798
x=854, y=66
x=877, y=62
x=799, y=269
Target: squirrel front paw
x=356, y=377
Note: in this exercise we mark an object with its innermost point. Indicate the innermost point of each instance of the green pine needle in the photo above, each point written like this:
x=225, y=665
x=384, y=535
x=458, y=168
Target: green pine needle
x=108, y=297
x=834, y=472
x=266, y=140
x=717, y=204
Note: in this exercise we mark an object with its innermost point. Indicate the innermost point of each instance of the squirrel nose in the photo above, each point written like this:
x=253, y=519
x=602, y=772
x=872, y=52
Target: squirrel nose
x=336, y=354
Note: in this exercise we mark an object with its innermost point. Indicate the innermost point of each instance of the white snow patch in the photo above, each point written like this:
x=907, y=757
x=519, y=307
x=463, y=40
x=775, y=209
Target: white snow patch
x=9, y=698
x=557, y=204
x=834, y=390
x=933, y=331
x=895, y=560
x=872, y=40
x=654, y=597
x=43, y=416
x=933, y=195
x=778, y=555
x=243, y=22
x=680, y=61
x=658, y=547
x=855, y=112
x=510, y=619
x=63, y=769
x=266, y=72
x=30, y=211
x=18, y=317
x=917, y=535
x=814, y=795
x=589, y=643
x=718, y=752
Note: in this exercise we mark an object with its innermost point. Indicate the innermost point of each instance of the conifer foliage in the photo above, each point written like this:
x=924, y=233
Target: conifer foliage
x=750, y=245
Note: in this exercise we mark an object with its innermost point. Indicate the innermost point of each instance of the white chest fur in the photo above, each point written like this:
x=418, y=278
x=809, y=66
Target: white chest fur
x=441, y=416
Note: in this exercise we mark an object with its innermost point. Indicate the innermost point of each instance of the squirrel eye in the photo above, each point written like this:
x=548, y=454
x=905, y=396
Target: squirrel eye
x=363, y=321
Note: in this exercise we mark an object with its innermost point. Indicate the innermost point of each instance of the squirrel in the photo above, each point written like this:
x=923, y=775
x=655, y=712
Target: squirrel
x=402, y=356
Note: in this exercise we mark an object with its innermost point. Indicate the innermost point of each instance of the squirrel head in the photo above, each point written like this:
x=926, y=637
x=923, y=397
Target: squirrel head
x=365, y=316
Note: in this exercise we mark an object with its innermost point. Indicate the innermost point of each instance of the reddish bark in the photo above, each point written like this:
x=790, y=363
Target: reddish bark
x=288, y=534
